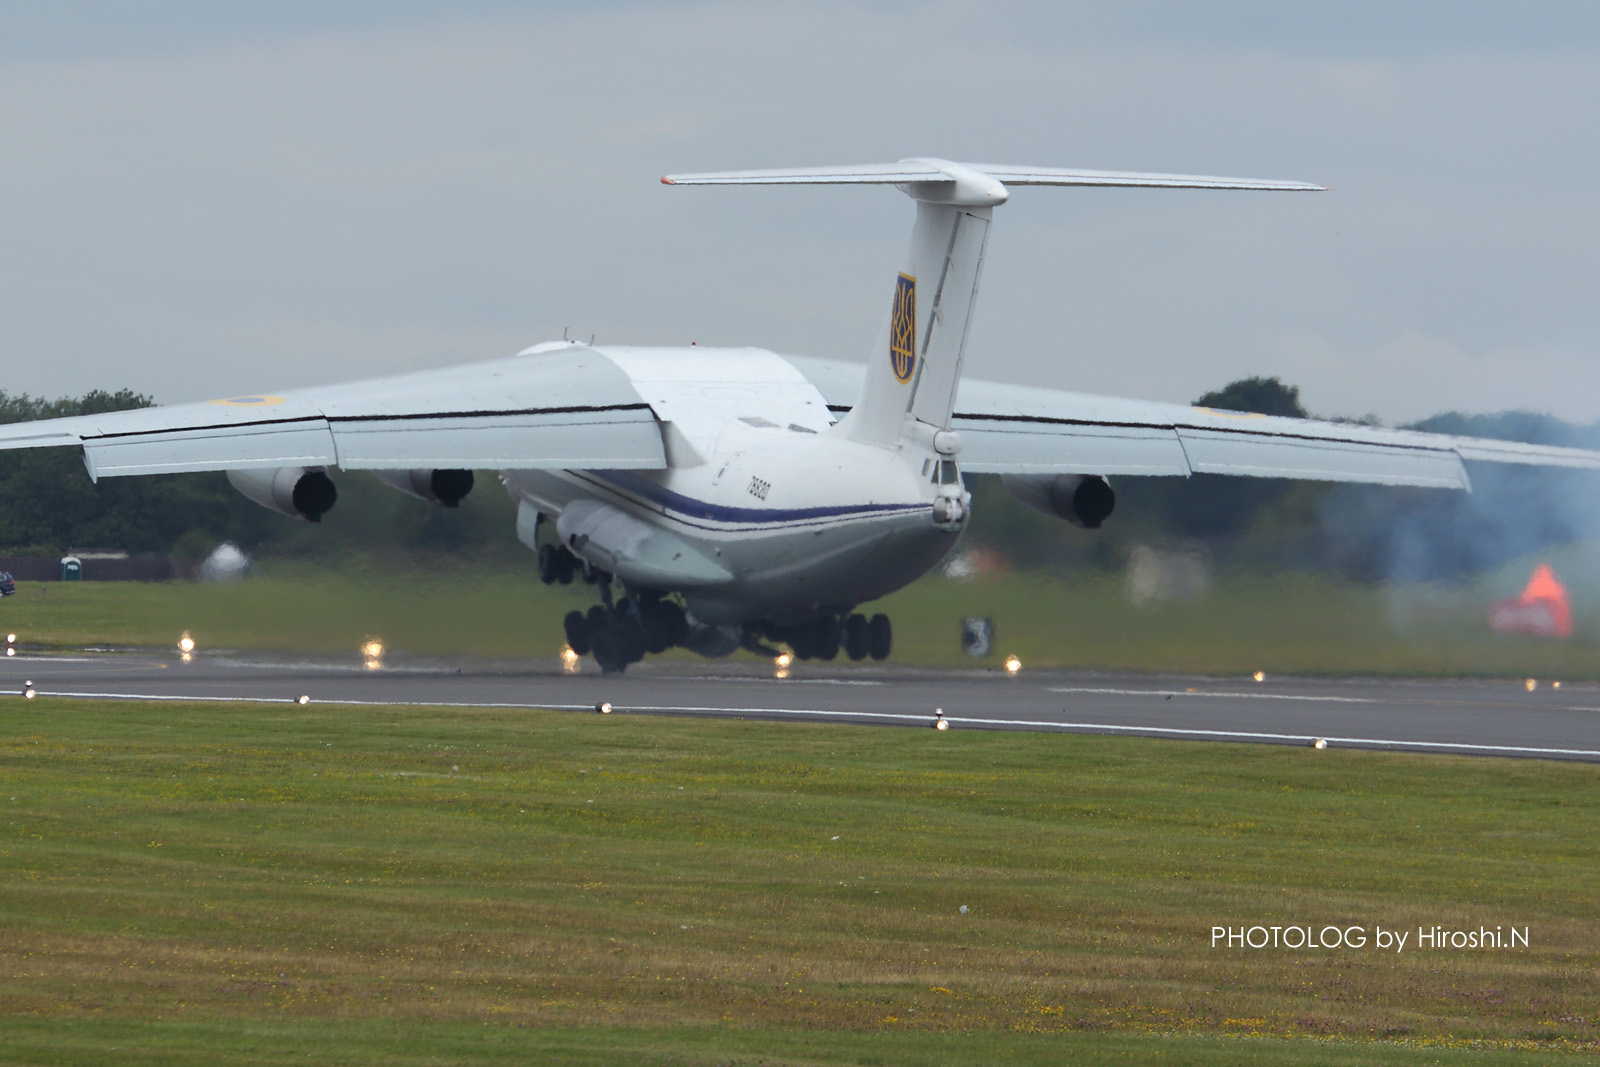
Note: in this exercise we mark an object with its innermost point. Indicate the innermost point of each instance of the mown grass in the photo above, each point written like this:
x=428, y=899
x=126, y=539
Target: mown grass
x=1283, y=623
x=249, y=883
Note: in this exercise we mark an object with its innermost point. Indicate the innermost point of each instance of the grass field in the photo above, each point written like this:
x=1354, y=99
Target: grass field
x=1288, y=623
x=187, y=884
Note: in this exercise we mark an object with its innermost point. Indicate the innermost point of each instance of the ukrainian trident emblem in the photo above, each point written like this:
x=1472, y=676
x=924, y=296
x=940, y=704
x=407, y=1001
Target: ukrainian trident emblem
x=903, y=328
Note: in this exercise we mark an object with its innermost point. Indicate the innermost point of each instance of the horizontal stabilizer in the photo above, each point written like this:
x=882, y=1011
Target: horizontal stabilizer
x=909, y=171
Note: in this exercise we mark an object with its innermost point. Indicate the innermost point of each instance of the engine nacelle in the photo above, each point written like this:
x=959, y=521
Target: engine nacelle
x=1085, y=500
x=298, y=492
x=446, y=487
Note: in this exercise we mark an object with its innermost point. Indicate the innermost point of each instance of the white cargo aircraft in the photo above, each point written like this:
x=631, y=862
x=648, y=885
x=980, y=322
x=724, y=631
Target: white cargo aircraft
x=742, y=497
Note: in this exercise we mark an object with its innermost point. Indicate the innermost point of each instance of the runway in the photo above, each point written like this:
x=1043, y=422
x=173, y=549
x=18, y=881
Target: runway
x=1488, y=718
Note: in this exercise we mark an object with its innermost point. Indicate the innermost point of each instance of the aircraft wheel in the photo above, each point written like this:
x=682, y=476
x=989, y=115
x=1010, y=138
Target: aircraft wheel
x=855, y=637
x=635, y=643
x=597, y=618
x=567, y=566
x=657, y=623
x=880, y=639
x=825, y=634
x=611, y=648
x=549, y=564
x=677, y=623
x=578, y=632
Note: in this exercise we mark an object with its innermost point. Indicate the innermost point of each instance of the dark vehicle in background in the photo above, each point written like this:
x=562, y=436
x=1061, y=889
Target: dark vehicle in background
x=7, y=586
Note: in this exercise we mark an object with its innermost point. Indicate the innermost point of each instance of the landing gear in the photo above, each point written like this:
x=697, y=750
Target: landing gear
x=664, y=625
x=624, y=632
x=826, y=635
x=879, y=637
x=556, y=564
x=579, y=632
x=617, y=644
x=856, y=635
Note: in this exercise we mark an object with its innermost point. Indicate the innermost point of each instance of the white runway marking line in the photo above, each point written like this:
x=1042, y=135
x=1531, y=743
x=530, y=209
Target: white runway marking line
x=1202, y=693
x=1038, y=724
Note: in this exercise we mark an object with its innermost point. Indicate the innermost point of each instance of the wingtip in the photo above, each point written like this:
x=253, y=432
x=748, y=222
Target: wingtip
x=667, y=181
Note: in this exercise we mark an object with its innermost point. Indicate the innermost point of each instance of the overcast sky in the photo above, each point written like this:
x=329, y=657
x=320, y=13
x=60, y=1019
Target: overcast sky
x=208, y=198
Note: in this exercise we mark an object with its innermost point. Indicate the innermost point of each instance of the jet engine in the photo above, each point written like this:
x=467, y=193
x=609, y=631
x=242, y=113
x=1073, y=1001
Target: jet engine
x=445, y=487
x=299, y=492
x=1085, y=500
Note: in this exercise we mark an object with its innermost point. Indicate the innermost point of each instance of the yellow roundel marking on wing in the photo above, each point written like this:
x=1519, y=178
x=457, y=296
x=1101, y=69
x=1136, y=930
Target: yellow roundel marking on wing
x=903, y=328
x=249, y=401
x=1230, y=414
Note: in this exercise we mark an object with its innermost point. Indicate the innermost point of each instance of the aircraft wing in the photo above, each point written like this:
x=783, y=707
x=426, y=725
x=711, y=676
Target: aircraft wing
x=546, y=409
x=1014, y=429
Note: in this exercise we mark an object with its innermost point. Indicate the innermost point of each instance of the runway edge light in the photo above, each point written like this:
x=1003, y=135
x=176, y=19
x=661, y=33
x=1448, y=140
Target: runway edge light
x=603, y=708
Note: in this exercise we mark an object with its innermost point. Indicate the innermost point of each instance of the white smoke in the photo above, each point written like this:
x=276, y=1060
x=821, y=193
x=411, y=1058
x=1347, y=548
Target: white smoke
x=227, y=563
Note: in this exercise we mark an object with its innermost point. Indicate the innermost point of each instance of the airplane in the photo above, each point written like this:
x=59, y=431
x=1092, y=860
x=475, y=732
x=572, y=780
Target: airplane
x=727, y=498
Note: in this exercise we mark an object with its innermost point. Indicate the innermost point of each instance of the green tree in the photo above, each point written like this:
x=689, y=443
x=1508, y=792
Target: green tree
x=1212, y=505
x=50, y=504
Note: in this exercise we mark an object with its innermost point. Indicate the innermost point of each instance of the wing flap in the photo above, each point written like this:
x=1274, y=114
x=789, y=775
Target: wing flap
x=1321, y=459
x=299, y=444
x=1488, y=451
x=991, y=446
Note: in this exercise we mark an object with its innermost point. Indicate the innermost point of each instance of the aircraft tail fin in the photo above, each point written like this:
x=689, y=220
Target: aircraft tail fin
x=915, y=366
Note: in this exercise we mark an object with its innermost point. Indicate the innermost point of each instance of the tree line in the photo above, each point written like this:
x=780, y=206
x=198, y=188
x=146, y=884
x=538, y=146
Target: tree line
x=48, y=504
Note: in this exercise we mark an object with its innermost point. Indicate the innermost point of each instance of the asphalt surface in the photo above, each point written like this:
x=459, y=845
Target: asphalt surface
x=1489, y=718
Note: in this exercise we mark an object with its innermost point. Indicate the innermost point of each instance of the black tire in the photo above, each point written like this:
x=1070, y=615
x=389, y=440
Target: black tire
x=634, y=648
x=677, y=623
x=880, y=639
x=567, y=567
x=578, y=632
x=855, y=637
x=825, y=634
x=549, y=565
x=611, y=648
x=597, y=618
x=657, y=627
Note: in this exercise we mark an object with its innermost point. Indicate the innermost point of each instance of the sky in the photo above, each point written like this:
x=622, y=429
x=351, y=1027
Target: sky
x=203, y=199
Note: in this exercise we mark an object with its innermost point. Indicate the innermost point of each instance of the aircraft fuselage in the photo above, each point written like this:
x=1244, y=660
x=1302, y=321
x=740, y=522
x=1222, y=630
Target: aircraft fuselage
x=779, y=524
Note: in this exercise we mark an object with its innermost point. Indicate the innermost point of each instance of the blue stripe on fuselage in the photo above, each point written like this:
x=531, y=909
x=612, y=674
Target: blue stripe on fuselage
x=663, y=497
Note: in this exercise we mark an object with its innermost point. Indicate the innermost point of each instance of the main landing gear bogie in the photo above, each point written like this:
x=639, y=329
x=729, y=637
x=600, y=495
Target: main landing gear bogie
x=857, y=636
x=625, y=632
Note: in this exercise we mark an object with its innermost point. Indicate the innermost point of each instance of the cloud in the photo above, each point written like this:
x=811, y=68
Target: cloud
x=387, y=186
